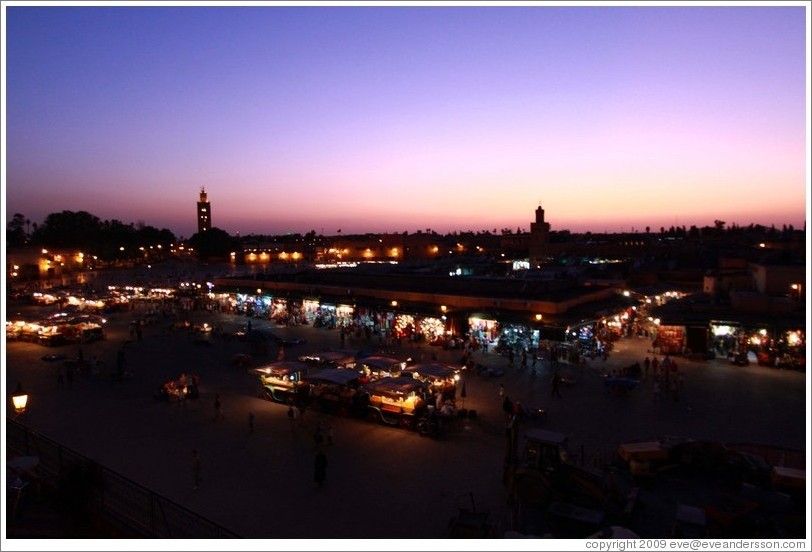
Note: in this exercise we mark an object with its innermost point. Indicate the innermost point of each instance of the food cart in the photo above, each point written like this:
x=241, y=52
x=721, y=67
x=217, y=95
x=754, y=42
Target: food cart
x=395, y=401
x=441, y=378
x=335, y=390
x=377, y=367
x=283, y=380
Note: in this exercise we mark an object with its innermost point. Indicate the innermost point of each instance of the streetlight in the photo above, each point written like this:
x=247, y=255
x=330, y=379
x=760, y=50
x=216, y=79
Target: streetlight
x=20, y=399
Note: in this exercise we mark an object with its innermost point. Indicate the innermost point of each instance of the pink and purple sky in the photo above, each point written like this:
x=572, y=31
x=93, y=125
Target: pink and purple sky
x=392, y=119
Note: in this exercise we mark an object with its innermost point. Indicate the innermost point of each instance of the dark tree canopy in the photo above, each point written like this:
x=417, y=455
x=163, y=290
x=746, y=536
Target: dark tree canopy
x=109, y=239
x=15, y=230
x=213, y=243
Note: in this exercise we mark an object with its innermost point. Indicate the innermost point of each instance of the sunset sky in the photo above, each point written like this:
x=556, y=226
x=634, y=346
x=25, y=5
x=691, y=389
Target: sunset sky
x=392, y=119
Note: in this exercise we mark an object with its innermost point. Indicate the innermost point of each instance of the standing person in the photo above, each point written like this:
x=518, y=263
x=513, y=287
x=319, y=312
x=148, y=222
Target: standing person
x=292, y=417
x=251, y=421
x=197, y=469
x=300, y=412
x=320, y=468
x=646, y=366
x=329, y=434
x=556, y=383
x=60, y=381
x=501, y=389
x=218, y=408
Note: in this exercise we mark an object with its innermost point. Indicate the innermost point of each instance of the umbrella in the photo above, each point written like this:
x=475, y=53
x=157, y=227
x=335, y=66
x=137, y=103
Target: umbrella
x=463, y=394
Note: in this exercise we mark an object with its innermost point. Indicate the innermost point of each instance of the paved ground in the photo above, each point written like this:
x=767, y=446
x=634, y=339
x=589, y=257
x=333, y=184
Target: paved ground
x=381, y=482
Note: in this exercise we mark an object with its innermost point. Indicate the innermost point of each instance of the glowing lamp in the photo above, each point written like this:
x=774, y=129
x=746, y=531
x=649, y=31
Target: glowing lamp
x=538, y=317
x=20, y=399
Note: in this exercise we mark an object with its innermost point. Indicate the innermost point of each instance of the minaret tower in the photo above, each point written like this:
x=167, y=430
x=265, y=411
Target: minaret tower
x=203, y=212
x=539, y=236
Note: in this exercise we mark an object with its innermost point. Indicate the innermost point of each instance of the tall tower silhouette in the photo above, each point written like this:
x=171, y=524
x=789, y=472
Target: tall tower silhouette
x=539, y=236
x=203, y=212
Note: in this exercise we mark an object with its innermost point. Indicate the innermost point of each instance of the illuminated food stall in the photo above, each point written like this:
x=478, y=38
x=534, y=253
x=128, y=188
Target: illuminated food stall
x=440, y=378
x=396, y=401
x=282, y=380
x=376, y=367
x=185, y=387
x=334, y=390
x=58, y=329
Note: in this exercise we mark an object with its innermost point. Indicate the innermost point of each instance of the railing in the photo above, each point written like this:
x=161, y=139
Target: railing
x=113, y=497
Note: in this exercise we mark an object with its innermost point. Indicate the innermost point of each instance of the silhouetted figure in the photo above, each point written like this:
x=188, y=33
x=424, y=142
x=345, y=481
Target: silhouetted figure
x=556, y=384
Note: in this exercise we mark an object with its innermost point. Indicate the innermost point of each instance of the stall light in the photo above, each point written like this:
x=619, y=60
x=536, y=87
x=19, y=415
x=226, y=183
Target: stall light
x=443, y=308
x=394, y=303
x=539, y=317
x=20, y=399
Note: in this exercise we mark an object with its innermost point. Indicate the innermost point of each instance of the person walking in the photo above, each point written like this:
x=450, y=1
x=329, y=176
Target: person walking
x=60, y=381
x=501, y=389
x=646, y=366
x=251, y=421
x=320, y=468
x=330, y=434
x=197, y=469
x=218, y=408
x=292, y=417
